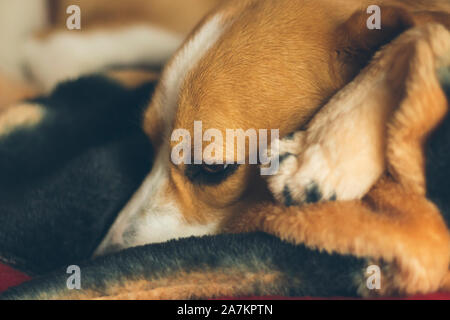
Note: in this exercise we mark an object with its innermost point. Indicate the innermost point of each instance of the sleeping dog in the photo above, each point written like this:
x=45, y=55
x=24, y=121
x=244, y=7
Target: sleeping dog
x=227, y=75
x=257, y=264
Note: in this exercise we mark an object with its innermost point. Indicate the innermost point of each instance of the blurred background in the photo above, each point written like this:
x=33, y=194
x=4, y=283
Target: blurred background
x=21, y=20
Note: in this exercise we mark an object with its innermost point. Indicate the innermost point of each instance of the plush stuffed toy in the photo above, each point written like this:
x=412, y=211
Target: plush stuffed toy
x=301, y=253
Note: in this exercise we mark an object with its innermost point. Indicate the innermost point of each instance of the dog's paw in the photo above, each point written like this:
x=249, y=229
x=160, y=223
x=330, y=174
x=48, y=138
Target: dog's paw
x=304, y=174
x=323, y=168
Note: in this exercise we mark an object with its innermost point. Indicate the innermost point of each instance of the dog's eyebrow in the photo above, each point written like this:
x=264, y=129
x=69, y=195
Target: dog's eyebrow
x=196, y=174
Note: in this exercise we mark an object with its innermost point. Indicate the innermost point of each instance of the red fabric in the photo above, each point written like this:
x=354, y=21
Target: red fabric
x=433, y=296
x=10, y=278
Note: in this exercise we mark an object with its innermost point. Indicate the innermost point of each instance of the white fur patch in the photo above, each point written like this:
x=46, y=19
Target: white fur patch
x=70, y=54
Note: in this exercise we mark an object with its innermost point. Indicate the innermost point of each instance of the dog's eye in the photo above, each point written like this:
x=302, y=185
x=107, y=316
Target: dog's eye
x=214, y=168
x=205, y=174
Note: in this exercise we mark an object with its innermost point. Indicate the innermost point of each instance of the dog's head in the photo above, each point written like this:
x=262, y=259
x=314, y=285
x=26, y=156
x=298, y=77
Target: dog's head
x=251, y=72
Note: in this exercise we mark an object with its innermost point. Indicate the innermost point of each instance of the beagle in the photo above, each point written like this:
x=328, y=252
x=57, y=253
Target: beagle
x=275, y=65
x=254, y=64
x=395, y=224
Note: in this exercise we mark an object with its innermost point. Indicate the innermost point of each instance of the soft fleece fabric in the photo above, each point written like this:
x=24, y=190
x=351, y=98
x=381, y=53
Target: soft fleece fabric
x=10, y=278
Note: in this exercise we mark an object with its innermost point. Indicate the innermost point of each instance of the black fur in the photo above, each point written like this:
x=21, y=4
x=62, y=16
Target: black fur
x=288, y=200
x=313, y=193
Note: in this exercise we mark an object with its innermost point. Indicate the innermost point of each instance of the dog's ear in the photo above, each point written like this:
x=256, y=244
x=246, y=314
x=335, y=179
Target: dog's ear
x=356, y=43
